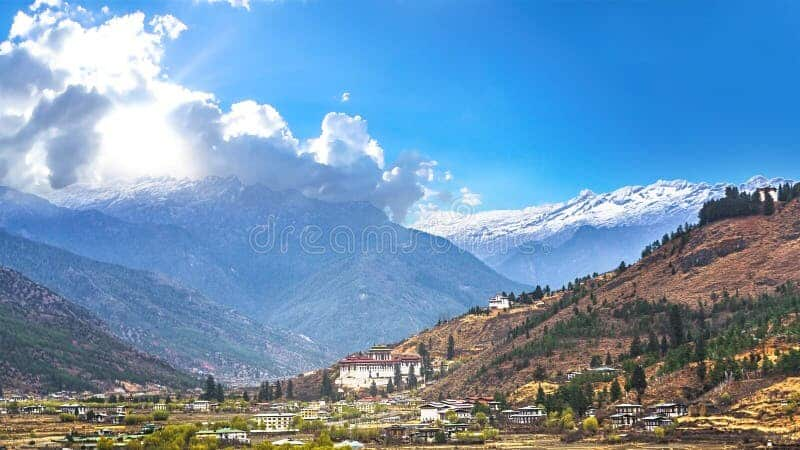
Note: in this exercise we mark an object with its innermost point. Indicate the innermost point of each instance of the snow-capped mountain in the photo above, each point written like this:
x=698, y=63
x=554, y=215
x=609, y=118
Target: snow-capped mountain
x=538, y=244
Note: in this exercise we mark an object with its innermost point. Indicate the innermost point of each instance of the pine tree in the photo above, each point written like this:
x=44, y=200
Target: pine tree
x=664, y=345
x=398, y=378
x=289, y=389
x=769, y=204
x=390, y=387
x=616, y=390
x=412, y=377
x=220, y=393
x=701, y=371
x=246, y=396
x=676, y=325
x=652, y=343
x=211, y=388
x=373, y=389
x=636, y=347
x=326, y=390
x=451, y=347
x=540, y=397
x=278, y=390
x=609, y=360
x=638, y=382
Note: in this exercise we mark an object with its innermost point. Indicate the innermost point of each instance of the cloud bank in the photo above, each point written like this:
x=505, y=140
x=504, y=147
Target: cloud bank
x=88, y=101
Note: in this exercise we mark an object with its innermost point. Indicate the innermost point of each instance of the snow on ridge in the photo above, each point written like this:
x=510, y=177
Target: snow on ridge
x=661, y=201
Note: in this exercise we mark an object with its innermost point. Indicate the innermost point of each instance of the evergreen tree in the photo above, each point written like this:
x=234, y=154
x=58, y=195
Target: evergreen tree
x=616, y=390
x=373, y=389
x=540, y=397
x=398, y=378
x=278, y=390
x=677, y=333
x=609, y=360
x=289, y=389
x=636, y=347
x=245, y=396
x=211, y=388
x=769, y=205
x=412, y=377
x=701, y=371
x=639, y=382
x=390, y=387
x=595, y=361
x=539, y=374
x=326, y=390
x=652, y=343
x=220, y=393
x=664, y=345
x=451, y=348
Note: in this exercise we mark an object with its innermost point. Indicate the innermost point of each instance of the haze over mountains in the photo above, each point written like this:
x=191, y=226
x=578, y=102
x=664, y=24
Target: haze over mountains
x=196, y=240
x=552, y=244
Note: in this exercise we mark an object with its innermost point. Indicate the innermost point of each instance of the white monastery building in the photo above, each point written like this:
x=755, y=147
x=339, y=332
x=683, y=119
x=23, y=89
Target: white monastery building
x=499, y=301
x=379, y=365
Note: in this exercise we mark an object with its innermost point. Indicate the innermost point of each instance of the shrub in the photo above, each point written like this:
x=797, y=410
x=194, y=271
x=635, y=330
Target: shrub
x=660, y=432
x=67, y=417
x=590, y=425
x=160, y=415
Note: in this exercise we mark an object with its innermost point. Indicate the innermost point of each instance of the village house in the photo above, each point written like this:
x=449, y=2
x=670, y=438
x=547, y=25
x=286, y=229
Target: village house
x=160, y=407
x=526, y=415
x=623, y=420
x=379, y=365
x=426, y=435
x=651, y=422
x=671, y=410
x=74, y=409
x=225, y=435
x=34, y=409
x=499, y=302
x=572, y=374
x=275, y=421
x=603, y=370
x=198, y=406
x=431, y=412
x=629, y=408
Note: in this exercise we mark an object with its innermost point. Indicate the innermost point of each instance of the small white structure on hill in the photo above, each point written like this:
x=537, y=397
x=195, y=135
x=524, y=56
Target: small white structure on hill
x=499, y=302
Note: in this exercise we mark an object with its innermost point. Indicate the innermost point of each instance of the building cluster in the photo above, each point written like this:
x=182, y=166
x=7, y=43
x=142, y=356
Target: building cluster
x=628, y=415
x=379, y=366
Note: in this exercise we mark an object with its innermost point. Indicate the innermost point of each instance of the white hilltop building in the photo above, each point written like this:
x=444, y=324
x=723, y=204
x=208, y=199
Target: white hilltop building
x=499, y=301
x=379, y=365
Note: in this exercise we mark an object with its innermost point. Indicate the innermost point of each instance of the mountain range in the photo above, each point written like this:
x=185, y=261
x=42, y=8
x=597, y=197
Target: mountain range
x=554, y=243
x=335, y=276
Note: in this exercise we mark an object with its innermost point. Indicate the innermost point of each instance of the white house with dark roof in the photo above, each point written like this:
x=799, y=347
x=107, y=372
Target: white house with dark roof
x=499, y=302
x=669, y=409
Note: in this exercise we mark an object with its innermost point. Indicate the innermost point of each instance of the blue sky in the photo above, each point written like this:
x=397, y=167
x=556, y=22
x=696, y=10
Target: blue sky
x=524, y=102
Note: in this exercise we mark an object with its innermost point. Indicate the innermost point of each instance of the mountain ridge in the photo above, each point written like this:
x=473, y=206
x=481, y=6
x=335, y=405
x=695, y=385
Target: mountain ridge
x=502, y=238
x=50, y=343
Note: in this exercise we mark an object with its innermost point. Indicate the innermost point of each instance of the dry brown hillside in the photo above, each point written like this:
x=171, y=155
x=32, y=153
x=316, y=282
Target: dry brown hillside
x=749, y=255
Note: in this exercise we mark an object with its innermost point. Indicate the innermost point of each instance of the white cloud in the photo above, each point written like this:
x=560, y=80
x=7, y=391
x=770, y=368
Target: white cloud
x=447, y=176
x=38, y=4
x=233, y=3
x=87, y=101
x=345, y=97
x=344, y=141
x=168, y=25
x=469, y=198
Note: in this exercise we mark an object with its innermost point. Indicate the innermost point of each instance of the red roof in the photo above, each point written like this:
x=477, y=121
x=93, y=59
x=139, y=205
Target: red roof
x=360, y=359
